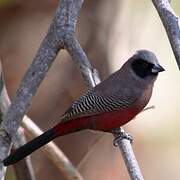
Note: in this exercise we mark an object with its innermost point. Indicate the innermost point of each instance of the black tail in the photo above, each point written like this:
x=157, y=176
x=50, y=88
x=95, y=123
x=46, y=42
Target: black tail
x=28, y=148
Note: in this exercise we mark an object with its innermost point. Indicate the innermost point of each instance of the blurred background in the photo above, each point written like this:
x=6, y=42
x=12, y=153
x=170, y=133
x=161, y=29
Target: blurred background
x=117, y=29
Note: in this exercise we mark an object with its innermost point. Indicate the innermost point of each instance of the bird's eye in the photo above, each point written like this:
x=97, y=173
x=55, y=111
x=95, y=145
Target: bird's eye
x=144, y=65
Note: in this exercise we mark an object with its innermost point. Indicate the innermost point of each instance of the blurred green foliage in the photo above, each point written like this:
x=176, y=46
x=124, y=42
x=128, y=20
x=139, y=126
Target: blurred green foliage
x=10, y=174
x=176, y=6
x=6, y=2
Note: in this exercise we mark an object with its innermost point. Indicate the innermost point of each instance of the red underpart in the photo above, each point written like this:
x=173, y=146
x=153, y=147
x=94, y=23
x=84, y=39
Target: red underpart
x=102, y=122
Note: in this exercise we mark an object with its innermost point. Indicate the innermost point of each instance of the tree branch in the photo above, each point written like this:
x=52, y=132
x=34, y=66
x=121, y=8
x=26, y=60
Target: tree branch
x=51, y=150
x=23, y=169
x=171, y=24
x=63, y=23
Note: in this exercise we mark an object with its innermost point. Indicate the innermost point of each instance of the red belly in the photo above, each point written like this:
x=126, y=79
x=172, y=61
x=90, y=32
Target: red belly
x=115, y=119
x=102, y=122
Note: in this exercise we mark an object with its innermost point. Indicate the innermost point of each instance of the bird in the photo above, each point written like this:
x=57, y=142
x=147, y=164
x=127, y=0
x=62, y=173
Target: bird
x=109, y=105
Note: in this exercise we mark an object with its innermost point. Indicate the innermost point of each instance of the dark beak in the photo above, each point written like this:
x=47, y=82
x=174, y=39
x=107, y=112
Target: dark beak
x=157, y=68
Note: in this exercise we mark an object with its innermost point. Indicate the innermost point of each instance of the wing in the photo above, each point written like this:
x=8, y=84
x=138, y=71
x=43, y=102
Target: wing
x=92, y=103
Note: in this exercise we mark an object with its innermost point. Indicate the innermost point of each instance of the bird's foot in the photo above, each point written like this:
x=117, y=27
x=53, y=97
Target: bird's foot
x=120, y=134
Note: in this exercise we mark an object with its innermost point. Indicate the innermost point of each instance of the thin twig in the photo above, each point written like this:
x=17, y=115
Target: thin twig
x=148, y=108
x=126, y=149
x=52, y=151
x=63, y=24
x=171, y=23
x=24, y=168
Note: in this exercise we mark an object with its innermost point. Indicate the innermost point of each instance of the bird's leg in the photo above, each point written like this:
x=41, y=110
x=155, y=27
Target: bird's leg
x=120, y=134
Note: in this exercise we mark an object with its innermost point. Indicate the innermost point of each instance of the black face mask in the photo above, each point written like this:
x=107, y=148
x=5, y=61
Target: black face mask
x=142, y=68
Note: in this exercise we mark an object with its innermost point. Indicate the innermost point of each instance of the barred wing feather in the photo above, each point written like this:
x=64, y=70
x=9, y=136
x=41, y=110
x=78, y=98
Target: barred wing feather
x=91, y=104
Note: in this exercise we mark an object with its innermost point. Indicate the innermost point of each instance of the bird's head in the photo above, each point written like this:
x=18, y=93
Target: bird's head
x=144, y=65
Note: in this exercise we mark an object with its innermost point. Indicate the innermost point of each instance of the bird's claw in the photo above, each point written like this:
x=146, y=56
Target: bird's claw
x=120, y=136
